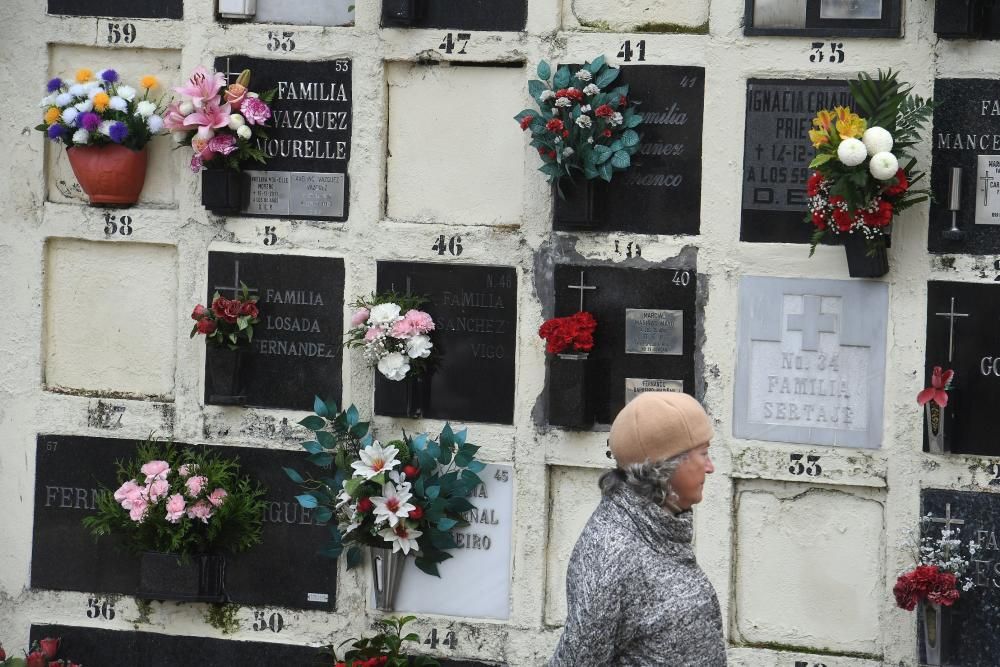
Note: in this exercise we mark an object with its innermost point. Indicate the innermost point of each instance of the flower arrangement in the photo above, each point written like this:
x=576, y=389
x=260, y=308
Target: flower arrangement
x=934, y=400
x=229, y=322
x=405, y=494
x=394, y=334
x=219, y=122
x=938, y=391
x=180, y=501
x=100, y=109
x=42, y=653
x=574, y=333
x=384, y=649
x=942, y=568
x=582, y=126
x=860, y=180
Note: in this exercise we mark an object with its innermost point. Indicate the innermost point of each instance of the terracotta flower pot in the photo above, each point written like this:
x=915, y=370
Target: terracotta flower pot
x=109, y=174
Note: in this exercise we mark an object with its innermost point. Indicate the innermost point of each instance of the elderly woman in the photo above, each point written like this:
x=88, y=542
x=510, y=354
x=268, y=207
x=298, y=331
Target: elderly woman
x=634, y=592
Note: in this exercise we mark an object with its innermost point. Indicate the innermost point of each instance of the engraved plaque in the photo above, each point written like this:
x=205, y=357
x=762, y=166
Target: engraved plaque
x=295, y=193
x=266, y=192
x=653, y=331
x=988, y=190
x=636, y=386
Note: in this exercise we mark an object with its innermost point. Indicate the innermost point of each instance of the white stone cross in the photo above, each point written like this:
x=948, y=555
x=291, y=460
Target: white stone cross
x=948, y=520
x=812, y=322
x=951, y=315
x=582, y=286
x=236, y=288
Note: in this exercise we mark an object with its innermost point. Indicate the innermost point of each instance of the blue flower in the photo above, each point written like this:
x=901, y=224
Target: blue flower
x=55, y=84
x=109, y=76
x=118, y=131
x=56, y=132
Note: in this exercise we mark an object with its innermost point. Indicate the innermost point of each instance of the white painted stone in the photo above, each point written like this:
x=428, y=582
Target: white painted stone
x=475, y=582
x=626, y=15
x=809, y=572
x=110, y=316
x=451, y=157
x=811, y=361
x=573, y=495
x=164, y=170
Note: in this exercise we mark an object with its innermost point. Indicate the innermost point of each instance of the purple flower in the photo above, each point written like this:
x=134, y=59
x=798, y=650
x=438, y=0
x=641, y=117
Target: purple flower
x=118, y=131
x=56, y=132
x=109, y=75
x=196, y=163
x=90, y=121
x=54, y=84
x=222, y=143
x=255, y=111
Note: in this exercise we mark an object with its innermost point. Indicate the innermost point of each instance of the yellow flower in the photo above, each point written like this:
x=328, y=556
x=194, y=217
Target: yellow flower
x=52, y=116
x=148, y=81
x=101, y=101
x=823, y=119
x=849, y=124
x=818, y=138
x=84, y=75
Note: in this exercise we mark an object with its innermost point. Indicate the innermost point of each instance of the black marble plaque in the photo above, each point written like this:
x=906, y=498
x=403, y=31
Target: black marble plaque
x=500, y=15
x=777, y=152
x=972, y=624
x=475, y=340
x=962, y=321
x=309, y=139
x=131, y=9
x=69, y=470
x=661, y=192
x=296, y=352
x=618, y=290
x=967, y=19
x=966, y=135
x=835, y=18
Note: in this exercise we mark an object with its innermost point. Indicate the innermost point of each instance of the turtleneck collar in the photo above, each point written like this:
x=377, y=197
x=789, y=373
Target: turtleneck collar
x=665, y=531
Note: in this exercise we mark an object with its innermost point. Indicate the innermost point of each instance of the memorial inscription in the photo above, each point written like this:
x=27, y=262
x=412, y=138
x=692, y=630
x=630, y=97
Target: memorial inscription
x=499, y=15
x=661, y=192
x=961, y=335
x=309, y=138
x=776, y=152
x=296, y=350
x=133, y=9
x=69, y=471
x=475, y=313
x=965, y=167
x=645, y=327
x=810, y=361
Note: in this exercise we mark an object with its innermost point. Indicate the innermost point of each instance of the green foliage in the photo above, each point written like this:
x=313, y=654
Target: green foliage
x=387, y=643
x=234, y=524
x=232, y=334
x=223, y=617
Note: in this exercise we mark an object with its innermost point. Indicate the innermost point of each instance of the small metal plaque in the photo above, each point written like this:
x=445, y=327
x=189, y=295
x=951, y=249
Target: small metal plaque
x=293, y=193
x=650, y=331
x=988, y=190
x=636, y=386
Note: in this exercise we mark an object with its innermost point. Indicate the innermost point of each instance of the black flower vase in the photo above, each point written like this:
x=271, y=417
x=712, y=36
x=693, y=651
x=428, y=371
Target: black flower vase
x=859, y=263
x=167, y=576
x=408, y=397
x=222, y=191
x=581, y=204
x=568, y=404
x=224, y=376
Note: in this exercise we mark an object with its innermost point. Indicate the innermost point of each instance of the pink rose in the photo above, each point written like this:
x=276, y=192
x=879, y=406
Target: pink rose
x=195, y=484
x=255, y=111
x=155, y=470
x=158, y=489
x=235, y=94
x=200, y=510
x=175, y=508
x=359, y=317
x=373, y=333
x=138, y=511
x=217, y=496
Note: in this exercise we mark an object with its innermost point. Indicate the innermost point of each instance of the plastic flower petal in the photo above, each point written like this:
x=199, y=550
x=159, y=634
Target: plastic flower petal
x=392, y=505
x=403, y=538
x=202, y=86
x=210, y=115
x=938, y=391
x=374, y=459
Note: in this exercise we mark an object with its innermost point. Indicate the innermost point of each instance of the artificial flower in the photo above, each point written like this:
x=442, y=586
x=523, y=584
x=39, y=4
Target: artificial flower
x=244, y=132
x=217, y=497
x=394, y=366
x=175, y=508
x=938, y=391
x=385, y=314
x=402, y=537
x=883, y=166
x=148, y=81
x=84, y=75
x=255, y=111
x=194, y=485
x=145, y=108
x=374, y=459
x=200, y=510
x=877, y=140
x=359, y=317
x=155, y=470
x=851, y=152
x=52, y=115
x=202, y=86
x=419, y=346
x=392, y=505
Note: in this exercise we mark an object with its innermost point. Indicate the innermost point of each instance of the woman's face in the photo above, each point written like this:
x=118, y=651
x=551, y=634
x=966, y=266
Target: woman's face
x=688, y=481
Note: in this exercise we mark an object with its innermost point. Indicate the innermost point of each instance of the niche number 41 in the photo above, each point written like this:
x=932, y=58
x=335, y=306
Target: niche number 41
x=627, y=54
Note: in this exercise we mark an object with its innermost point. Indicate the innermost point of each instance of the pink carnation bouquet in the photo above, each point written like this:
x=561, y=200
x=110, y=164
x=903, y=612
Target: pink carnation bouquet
x=221, y=123
x=180, y=500
x=393, y=333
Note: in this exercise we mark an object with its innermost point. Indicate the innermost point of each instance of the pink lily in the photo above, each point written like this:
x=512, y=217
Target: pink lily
x=173, y=119
x=211, y=115
x=202, y=86
x=938, y=391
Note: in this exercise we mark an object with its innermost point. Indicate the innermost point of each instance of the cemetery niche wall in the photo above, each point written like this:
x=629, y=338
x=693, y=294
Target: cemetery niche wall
x=462, y=14
x=136, y=9
x=837, y=18
x=70, y=470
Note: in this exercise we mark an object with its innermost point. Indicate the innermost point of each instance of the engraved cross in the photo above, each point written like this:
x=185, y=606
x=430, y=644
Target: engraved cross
x=951, y=315
x=582, y=287
x=812, y=322
x=235, y=287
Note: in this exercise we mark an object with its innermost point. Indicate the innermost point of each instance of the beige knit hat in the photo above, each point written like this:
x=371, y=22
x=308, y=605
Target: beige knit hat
x=658, y=425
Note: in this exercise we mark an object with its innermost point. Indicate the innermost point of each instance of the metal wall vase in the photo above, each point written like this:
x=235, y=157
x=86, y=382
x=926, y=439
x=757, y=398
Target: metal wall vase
x=932, y=630
x=387, y=567
x=568, y=397
x=935, y=427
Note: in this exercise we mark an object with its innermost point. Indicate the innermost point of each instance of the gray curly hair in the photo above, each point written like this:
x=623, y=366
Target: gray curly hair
x=649, y=480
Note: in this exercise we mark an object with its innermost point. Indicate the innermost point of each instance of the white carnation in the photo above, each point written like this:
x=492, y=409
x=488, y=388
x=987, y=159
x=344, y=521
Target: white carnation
x=81, y=136
x=883, y=166
x=616, y=120
x=145, y=108
x=584, y=75
x=591, y=89
x=546, y=95
x=118, y=104
x=851, y=152
x=85, y=106
x=69, y=115
x=586, y=108
x=244, y=132
x=564, y=102
x=384, y=314
x=105, y=128
x=419, y=346
x=877, y=140
x=236, y=121
x=62, y=99
x=394, y=366
x=77, y=90
x=126, y=92
x=584, y=122
x=155, y=124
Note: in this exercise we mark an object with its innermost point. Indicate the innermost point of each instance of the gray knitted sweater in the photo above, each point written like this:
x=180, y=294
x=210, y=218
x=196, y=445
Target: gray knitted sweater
x=635, y=595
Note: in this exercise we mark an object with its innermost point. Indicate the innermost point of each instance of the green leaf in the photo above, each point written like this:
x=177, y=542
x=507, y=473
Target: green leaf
x=352, y=415
x=353, y=557
x=595, y=66
x=323, y=459
x=427, y=567
x=293, y=475
x=459, y=505
x=543, y=70
x=326, y=439
x=432, y=492
x=323, y=514
x=536, y=88
x=621, y=160
x=605, y=171
x=476, y=466
x=607, y=77
x=312, y=446
x=313, y=423
x=562, y=77
x=630, y=138
x=359, y=429
x=635, y=120
x=447, y=435
x=446, y=524
x=602, y=153
x=820, y=159
x=307, y=501
x=320, y=408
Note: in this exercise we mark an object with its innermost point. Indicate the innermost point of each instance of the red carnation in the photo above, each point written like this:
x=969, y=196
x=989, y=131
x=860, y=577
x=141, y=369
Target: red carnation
x=554, y=125
x=565, y=134
x=842, y=219
x=36, y=659
x=526, y=122
x=812, y=185
x=411, y=471
x=552, y=154
x=819, y=220
x=900, y=185
x=199, y=312
x=606, y=133
x=881, y=217
x=3, y=654
x=604, y=111
x=249, y=308
x=206, y=326
x=575, y=331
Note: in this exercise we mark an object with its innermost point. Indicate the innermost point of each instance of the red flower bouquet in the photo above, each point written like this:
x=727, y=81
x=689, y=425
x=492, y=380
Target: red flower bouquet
x=925, y=582
x=229, y=322
x=573, y=334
